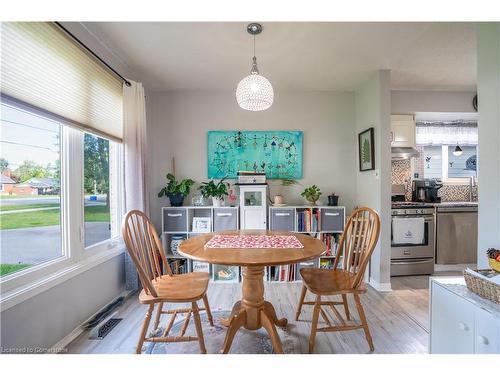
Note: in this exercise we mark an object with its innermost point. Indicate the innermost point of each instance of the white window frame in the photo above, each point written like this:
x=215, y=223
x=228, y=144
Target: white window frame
x=444, y=169
x=75, y=258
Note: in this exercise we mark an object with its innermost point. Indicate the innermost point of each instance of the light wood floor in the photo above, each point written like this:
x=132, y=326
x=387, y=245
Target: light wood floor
x=398, y=320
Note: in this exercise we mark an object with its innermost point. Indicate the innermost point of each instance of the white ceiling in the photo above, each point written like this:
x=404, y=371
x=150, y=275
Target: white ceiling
x=294, y=56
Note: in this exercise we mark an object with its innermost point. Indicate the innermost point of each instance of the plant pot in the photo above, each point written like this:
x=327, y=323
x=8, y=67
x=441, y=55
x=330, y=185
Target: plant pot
x=176, y=200
x=217, y=202
x=312, y=203
x=333, y=200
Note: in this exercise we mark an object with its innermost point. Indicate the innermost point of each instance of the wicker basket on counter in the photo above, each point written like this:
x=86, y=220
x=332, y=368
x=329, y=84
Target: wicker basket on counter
x=484, y=288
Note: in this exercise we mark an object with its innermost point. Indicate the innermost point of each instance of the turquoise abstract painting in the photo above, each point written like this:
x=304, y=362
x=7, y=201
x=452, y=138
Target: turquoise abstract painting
x=277, y=153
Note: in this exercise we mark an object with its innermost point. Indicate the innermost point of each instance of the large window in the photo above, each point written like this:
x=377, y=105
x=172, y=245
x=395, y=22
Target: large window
x=43, y=161
x=30, y=201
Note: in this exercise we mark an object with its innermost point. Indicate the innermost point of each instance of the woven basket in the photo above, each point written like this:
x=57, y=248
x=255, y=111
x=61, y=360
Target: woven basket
x=482, y=287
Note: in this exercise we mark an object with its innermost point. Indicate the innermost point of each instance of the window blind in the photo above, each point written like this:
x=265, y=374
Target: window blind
x=43, y=67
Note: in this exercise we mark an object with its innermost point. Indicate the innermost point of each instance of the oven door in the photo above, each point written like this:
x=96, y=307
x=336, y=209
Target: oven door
x=421, y=250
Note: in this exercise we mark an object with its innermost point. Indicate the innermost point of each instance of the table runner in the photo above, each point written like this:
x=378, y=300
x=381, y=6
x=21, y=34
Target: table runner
x=254, y=242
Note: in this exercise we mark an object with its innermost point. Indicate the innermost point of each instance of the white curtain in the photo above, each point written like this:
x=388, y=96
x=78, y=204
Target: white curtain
x=135, y=172
x=443, y=133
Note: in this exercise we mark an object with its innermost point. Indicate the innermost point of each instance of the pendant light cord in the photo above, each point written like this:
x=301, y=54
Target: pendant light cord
x=254, y=45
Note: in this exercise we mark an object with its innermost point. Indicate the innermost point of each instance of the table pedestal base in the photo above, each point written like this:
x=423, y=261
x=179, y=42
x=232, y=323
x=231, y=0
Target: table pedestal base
x=253, y=312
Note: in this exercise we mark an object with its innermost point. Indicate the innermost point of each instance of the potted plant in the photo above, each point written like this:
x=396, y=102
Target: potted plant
x=278, y=198
x=176, y=191
x=215, y=190
x=311, y=194
x=333, y=199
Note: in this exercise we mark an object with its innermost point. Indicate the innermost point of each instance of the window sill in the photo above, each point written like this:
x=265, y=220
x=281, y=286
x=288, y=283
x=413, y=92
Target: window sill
x=31, y=289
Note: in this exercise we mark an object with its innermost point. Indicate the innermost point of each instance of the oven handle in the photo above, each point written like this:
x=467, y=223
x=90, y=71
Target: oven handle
x=411, y=262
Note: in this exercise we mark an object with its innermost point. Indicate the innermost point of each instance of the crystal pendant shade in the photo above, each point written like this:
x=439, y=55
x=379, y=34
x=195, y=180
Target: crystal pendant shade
x=254, y=92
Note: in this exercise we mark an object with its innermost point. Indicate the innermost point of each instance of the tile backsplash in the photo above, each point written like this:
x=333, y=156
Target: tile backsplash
x=401, y=174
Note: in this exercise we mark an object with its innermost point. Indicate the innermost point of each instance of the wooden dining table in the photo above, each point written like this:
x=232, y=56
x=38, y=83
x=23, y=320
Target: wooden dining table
x=252, y=311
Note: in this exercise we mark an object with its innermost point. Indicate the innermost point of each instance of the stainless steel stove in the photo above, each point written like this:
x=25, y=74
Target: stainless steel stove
x=414, y=259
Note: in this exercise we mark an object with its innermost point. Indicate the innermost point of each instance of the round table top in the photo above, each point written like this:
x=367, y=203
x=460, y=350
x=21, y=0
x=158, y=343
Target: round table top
x=194, y=248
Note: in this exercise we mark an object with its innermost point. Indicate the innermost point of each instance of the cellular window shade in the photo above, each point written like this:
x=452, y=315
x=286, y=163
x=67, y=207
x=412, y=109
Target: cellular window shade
x=45, y=68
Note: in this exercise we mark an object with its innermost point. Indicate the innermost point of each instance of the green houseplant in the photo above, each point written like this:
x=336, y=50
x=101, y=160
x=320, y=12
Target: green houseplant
x=311, y=194
x=217, y=191
x=176, y=191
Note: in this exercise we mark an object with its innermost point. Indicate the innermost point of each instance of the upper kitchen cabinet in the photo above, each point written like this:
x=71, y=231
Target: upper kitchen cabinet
x=403, y=131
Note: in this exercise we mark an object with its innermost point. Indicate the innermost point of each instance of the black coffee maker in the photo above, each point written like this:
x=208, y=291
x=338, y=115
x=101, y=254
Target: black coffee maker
x=426, y=190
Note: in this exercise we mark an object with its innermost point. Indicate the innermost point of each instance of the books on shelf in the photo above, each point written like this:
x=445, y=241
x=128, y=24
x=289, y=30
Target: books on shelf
x=308, y=220
x=178, y=266
x=326, y=263
x=282, y=273
x=200, y=266
x=331, y=242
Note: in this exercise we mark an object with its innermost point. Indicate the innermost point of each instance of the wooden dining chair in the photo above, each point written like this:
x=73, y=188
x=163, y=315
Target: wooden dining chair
x=160, y=286
x=355, y=248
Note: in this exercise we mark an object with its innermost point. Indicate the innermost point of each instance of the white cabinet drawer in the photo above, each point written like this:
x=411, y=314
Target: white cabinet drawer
x=452, y=323
x=486, y=332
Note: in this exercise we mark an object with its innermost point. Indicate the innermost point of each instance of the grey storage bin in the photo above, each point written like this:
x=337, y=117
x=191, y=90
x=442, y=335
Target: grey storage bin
x=175, y=220
x=225, y=219
x=305, y=264
x=332, y=219
x=283, y=219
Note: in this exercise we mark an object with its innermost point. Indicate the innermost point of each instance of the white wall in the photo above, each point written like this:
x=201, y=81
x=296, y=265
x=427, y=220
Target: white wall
x=373, y=109
x=488, y=63
x=45, y=319
x=409, y=102
x=178, y=123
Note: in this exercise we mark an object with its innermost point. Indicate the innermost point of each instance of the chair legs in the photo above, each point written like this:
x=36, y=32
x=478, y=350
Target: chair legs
x=144, y=330
x=199, y=330
x=158, y=315
x=346, y=306
x=301, y=302
x=207, y=309
x=364, y=322
x=314, y=326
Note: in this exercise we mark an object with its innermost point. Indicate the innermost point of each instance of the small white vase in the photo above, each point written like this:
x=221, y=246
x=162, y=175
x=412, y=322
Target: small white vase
x=217, y=202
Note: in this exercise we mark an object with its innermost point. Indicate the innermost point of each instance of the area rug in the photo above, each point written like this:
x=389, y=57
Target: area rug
x=249, y=241
x=245, y=342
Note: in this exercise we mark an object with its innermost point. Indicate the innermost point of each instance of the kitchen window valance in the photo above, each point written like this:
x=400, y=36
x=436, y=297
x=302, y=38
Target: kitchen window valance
x=446, y=133
x=42, y=67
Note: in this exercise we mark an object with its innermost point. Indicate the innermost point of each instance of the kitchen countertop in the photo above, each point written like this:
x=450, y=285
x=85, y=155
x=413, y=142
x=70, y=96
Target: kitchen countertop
x=455, y=204
x=457, y=285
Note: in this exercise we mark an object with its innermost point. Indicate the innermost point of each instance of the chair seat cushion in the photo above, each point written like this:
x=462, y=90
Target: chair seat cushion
x=185, y=287
x=324, y=281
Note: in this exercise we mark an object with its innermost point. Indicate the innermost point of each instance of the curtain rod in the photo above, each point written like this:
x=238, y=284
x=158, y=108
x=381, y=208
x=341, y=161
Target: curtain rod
x=93, y=53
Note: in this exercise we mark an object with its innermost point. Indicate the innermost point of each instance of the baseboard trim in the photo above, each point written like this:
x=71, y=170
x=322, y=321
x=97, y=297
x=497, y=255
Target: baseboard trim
x=380, y=287
x=69, y=338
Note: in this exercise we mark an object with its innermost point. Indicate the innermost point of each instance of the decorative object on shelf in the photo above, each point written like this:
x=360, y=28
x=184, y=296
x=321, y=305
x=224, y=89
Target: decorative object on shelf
x=278, y=154
x=254, y=92
x=176, y=191
x=199, y=200
x=202, y=225
x=366, y=149
x=494, y=259
x=457, y=151
x=251, y=177
x=311, y=194
x=175, y=242
x=217, y=191
x=278, y=198
x=232, y=197
x=333, y=200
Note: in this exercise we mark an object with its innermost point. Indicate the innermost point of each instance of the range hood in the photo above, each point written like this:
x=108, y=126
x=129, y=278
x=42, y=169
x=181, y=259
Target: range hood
x=400, y=153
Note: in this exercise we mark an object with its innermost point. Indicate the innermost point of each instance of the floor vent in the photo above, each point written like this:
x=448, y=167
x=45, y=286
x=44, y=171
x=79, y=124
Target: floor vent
x=105, y=328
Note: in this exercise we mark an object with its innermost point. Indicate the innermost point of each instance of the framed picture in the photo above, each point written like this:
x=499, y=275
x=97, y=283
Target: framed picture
x=366, y=148
x=201, y=224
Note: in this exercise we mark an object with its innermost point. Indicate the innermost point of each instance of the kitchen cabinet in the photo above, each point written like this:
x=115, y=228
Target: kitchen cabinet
x=461, y=322
x=403, y=131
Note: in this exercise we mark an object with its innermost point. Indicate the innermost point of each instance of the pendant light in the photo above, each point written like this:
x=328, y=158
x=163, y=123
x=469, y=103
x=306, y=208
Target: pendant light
x=457, y=151
x=254, y=92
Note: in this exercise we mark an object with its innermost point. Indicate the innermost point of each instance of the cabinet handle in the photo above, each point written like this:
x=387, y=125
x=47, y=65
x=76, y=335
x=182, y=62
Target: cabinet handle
x=482, y=340
x=332, y=214
x=463, y=326
x=282, y=214
x=224, y=214
x=174, y=215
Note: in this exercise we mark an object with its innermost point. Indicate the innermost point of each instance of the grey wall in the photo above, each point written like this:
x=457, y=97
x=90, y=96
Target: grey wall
x=373, y=109
x=45, y=319
x=488, y=63
x=409, y=102
x=178, y=123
